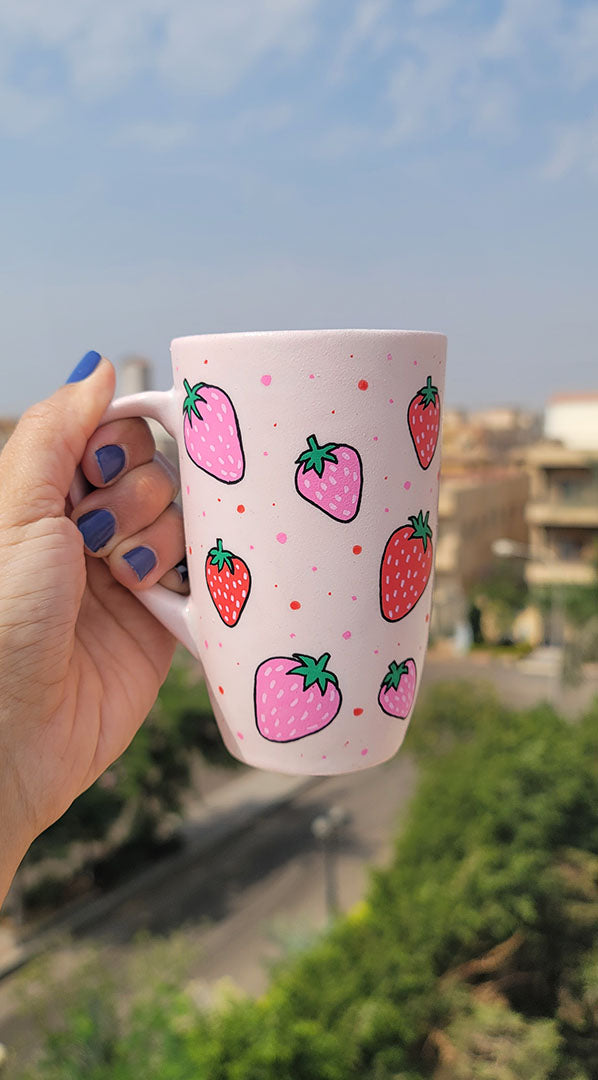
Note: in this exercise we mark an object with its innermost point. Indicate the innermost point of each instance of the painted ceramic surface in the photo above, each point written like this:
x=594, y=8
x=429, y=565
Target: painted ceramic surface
x=339, y=434
x=309, y=472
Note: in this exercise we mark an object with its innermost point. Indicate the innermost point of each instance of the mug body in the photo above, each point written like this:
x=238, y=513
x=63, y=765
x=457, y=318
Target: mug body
x=309, y=472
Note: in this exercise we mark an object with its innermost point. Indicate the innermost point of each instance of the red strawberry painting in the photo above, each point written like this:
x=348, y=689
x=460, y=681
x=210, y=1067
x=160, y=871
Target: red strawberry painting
x=397, y=691
x=423, y=417
x=295, y=696
x=229, y=582
x=406, y=567
x=331, y=477
x=211, y=431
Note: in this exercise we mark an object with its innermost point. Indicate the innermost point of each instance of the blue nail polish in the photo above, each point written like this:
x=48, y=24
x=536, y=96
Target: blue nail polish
x=142, y=560
x=182, y=571
x=97, y=527
x=111, y=460
x=85, y=367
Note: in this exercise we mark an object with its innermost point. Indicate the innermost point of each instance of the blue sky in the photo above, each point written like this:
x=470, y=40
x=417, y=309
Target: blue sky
x=179, y=166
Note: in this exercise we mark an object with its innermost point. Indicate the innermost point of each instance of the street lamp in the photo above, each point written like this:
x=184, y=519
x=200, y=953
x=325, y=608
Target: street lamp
x=325, y=828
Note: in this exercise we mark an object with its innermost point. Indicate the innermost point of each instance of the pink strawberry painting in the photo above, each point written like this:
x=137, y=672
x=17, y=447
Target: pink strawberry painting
x=331, y=477
x=211, y=431
x=406, y=567
x=229, y=581
x=397, y=691
x=295, y=696
x=423, y=417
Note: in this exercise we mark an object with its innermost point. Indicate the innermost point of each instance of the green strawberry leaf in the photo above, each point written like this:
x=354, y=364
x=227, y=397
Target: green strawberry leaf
x=429, y=393
x=314, y=671
x=221, y=558
x=190, y=402
x=421, y=528
x=317, y=456
x=393, y=676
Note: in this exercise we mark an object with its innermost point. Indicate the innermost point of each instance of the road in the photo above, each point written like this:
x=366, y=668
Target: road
x=236, y=911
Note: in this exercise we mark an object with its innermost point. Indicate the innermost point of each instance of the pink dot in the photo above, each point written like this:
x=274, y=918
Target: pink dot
x=312, y=376
x=354, y=598
x=219, y=644
x=188, y=490
x=251, y=547
x=389, y=357
x=323, y=757
x=206, y=644
x=347, y=635
x=240, y=735
x=347, y=743
x=203, y=513
x=281, y=537
x=391, y=401
x=314, y=568
x=265, y=453
x=415, y=363
x=376, y=651
x=364, y=752
x=266, y=380
x=375, y=438
x=292, y=635
x=386, y=510
x=407, y=485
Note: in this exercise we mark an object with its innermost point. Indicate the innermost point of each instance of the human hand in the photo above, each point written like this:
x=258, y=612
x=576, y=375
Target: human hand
x=81, y=660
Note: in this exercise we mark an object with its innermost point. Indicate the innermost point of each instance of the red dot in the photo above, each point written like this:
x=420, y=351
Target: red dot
x=330, y=594
x=363, y=384
x=427, y=618
x=219, y=500
x=221, y=689
x=241, y=508
x=351, y=356
x=276, y=586
x=357, y=712
x=190, y=550
x=295, y=605
x=357, y=549
x=333, y=411
x=205, y=361
x=275, y=425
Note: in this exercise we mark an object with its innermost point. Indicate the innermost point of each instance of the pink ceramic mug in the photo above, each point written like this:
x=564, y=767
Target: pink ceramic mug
x=309, y=467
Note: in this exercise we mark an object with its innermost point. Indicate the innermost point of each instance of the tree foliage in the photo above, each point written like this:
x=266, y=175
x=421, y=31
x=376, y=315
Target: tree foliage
x=474, y=956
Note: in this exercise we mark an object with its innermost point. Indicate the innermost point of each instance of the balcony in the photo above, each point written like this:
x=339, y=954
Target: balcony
x=568, y=506
x=560, y=572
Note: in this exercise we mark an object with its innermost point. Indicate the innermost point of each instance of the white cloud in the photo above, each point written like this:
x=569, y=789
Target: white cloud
x=195, y=45
x=157, y=136
x=575, y=150
x=370, y=29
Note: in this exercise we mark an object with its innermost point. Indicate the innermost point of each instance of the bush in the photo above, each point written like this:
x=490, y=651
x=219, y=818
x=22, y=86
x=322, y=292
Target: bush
x=473, y=957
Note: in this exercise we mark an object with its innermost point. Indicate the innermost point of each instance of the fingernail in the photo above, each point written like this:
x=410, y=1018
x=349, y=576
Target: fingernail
x=85, y=367
x=111, y=460
x=182, y=571
x=98, y=527
x=142, y=560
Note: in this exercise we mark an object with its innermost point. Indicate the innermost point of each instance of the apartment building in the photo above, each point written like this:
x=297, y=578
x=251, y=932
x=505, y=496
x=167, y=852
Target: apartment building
x=475, y=508
x=562, y=513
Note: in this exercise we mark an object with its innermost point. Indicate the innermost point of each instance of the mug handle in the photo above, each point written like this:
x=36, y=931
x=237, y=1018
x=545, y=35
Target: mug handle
x=169, y=608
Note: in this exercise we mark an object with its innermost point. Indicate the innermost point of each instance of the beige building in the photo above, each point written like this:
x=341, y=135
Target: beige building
x=475, y=509
x=563, y=509
x=562, y=515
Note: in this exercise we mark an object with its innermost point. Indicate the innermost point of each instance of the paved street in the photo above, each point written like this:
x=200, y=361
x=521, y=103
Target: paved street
x=238, y=907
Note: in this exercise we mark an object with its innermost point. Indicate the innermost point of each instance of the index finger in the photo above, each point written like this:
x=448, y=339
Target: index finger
x=116, y=448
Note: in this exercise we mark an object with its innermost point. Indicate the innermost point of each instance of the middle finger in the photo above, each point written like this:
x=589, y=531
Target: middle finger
x=107, y=517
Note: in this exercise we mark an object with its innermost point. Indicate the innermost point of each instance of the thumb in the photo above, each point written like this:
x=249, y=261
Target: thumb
x=38, y=463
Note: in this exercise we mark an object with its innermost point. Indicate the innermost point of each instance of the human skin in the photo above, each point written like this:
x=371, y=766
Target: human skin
x=81, y=659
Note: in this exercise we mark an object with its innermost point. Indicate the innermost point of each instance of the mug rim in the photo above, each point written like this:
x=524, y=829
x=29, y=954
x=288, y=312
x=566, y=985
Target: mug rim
x=326, y=331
